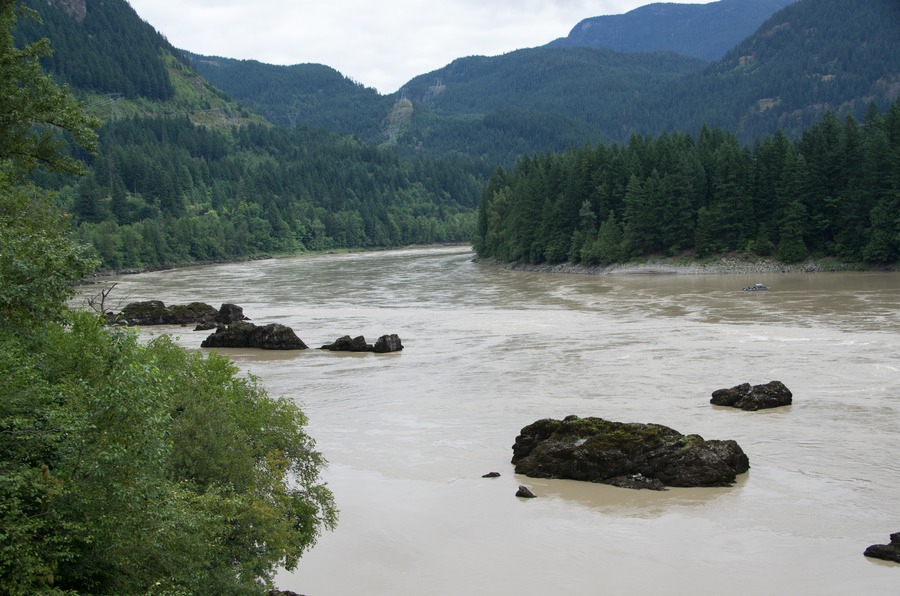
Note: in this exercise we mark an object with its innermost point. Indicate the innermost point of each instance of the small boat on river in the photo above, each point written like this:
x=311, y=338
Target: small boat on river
x=756, y=288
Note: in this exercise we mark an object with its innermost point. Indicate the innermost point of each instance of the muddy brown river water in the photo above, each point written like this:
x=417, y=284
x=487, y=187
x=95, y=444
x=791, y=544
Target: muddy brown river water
x=487, y=351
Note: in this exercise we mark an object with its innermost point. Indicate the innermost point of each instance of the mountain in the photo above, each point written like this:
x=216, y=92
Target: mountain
x=493, y=108
x=120, y=66
x=539, y=99
x=705, y=31
x=306, y=94
x=809, y=57
x=185, y=174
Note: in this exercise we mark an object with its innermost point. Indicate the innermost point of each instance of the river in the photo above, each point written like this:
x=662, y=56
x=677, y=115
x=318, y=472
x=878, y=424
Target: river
x=409, y=435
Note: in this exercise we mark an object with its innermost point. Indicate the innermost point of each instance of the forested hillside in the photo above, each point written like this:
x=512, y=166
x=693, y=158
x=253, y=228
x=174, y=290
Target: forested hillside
x=834, y=192
x=498, y=108
x=183, y=174
x=814, y=56
x=302, y=94
x=164, y=191
x=810, y=57
x=704, y=31
x=102, y=47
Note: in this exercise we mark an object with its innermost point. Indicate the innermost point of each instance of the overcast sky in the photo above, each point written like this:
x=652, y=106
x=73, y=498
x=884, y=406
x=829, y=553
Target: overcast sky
x=379, y=44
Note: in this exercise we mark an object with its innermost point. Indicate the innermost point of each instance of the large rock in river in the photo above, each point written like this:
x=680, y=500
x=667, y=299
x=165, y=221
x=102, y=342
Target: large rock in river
x=631, y=455
x=242, y=334
x=756, y=397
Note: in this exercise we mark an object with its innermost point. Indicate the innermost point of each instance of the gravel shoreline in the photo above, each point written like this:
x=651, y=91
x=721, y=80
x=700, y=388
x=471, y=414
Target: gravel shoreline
x=721, y=266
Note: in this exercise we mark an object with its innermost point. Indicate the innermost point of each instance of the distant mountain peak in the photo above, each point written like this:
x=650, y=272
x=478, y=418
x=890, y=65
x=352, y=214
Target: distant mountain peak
x=705, y=31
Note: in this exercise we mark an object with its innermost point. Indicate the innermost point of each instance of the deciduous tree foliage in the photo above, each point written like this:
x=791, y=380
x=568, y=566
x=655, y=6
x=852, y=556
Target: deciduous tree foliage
x=125, y=467
x=835, y=192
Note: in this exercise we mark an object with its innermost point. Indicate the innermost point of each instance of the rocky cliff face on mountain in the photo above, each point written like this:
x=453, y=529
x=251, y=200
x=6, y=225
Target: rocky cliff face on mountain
x=76, y=8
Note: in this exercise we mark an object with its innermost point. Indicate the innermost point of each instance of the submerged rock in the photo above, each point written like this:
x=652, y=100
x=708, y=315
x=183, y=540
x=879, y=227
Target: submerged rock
x=242, y=334
x=491, y=475
x=756, y=397
x=629, y=455
x=886, y=552
x=525, y=493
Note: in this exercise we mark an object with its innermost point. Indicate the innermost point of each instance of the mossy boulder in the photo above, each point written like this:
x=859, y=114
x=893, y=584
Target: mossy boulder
x=627, y=454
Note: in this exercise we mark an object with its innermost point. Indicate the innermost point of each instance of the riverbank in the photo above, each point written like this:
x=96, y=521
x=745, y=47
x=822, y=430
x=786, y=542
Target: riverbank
x=679, y=265
x=724, y=265
x=264, y=257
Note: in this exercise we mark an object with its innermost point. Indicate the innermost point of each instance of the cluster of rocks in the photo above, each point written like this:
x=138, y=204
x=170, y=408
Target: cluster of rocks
x=385, y=344
x=640, y=456
x=233, y=329
x=155, y=312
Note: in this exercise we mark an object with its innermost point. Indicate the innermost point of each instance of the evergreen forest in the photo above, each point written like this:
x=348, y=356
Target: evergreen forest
x=832, y=193
x=163, y=191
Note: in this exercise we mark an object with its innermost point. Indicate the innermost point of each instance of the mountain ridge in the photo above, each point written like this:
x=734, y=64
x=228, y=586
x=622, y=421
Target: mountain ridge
x=765, y=82
x=705, y=31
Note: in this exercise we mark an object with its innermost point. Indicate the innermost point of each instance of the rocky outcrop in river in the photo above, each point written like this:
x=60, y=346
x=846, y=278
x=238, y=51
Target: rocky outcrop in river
x=756, y=397
x=155, y=312
x=385, y=344
x=886, y=552
x=630, y=455
x=242, y=334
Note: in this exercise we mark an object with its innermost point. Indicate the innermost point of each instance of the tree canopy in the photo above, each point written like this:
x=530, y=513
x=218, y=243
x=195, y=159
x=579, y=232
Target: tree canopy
x=835, y=192
x=125, y=467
